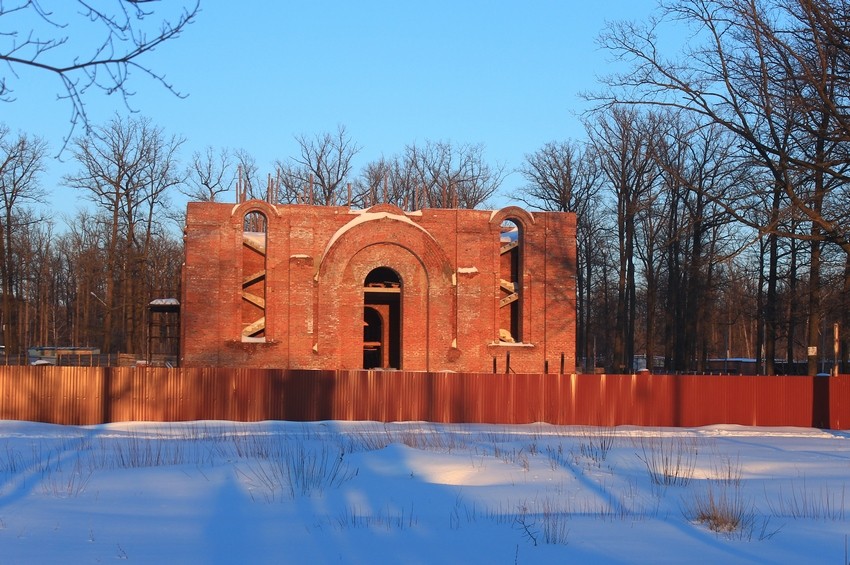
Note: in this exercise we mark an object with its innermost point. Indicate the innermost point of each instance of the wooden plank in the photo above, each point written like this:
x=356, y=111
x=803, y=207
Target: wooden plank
x=254, y=328
x=255, y=243
x=507, y=285
x=252, y=278
x=254, y=299
x=508, y=246
x=382, y=290
x=508, y=299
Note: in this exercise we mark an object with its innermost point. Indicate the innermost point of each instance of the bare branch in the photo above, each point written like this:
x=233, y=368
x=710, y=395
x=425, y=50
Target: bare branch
x=87, y=45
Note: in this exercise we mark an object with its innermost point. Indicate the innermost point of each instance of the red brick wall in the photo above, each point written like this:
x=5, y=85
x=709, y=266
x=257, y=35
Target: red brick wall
x=317, y=259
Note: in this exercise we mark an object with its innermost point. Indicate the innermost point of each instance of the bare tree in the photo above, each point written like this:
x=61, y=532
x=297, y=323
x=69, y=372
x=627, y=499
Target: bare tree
x=694, y=233
x=84, y=277
x=87, y=46
x=320, y=173
x=772, y=73
x=561, y=176
x=21, y=163
x=388, y=180
x=209, y=175
x=37, y=307
x=452, y=176
x=248, y=183
x=126, y=168
x=566, y=177
x=624, y=141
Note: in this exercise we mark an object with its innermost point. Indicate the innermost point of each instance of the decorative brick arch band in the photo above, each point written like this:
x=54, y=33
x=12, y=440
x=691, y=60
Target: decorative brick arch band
x=371, y=228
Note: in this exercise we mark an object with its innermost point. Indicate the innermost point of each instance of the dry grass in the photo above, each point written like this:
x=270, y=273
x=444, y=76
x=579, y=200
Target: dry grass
x=669, y=460
x=722, y=506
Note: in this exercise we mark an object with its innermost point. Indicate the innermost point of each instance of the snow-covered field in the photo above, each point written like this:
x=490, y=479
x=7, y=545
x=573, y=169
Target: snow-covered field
x=364, y=492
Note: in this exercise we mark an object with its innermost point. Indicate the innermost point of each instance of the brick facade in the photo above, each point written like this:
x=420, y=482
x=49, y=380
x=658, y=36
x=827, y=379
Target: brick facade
x=315, y=287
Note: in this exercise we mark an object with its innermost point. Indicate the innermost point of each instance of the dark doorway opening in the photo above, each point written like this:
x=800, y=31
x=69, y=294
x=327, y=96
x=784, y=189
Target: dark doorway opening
x=382, y=319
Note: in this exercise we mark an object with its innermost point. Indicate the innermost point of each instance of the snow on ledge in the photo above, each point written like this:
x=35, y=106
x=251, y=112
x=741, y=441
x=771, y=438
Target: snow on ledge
x=360, y=211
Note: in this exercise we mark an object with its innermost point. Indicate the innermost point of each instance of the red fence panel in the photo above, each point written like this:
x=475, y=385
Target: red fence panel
x=92, y=395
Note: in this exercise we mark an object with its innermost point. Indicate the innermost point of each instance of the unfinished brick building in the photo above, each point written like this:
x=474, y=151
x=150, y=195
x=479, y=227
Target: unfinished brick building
x=317, y=287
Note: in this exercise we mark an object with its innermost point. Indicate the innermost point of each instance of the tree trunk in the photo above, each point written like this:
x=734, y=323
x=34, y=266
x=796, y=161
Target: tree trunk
x=814, y=307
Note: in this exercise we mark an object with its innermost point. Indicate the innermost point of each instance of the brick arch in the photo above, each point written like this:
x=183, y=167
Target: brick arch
x=429, y=292
x=512, y=213
x=254, y=205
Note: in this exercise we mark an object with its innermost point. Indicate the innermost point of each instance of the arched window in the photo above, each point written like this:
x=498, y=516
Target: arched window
x=510, y=282
x=253, y=287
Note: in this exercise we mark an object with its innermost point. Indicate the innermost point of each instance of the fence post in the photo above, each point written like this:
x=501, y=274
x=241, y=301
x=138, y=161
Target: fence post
x=105, y=394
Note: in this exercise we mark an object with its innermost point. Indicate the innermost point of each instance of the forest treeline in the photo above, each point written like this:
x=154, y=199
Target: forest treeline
x=710, y=188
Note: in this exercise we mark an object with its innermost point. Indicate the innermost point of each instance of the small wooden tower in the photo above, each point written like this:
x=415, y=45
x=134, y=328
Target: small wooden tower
x=164, y=332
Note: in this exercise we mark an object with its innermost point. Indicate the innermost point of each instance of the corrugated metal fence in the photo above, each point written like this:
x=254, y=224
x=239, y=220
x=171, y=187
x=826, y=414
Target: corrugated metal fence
x=93, y=395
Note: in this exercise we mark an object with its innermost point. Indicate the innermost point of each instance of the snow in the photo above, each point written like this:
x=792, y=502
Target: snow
x=367, y=492
x=164, y=302
x=250, y=339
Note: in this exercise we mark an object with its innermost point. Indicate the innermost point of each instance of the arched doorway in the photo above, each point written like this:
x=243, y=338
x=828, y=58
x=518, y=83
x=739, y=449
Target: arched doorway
x=382, y=291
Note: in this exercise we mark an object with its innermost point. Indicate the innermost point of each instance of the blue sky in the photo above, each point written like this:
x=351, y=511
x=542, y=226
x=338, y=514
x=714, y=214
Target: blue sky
x=505, y=74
